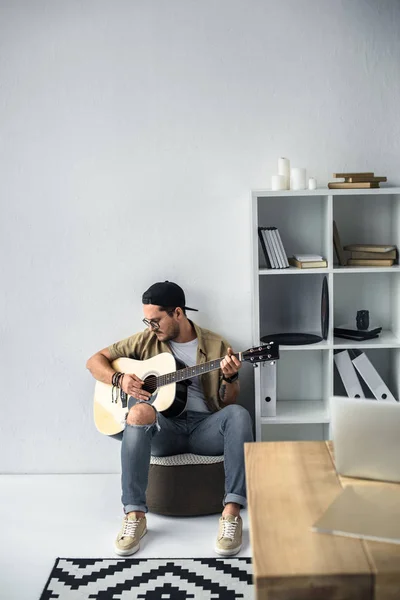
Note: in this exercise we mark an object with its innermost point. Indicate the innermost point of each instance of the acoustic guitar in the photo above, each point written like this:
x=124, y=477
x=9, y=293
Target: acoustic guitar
x=167, y=385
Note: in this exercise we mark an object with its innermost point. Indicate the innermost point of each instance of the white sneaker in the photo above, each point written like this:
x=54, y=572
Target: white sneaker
x=132, y=531
x=229, y=540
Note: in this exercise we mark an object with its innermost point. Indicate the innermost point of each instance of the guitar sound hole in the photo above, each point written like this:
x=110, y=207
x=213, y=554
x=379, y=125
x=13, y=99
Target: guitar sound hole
x=150, y=384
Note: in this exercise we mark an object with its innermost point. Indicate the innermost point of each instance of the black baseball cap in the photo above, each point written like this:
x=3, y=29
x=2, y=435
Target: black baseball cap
x=165, y=293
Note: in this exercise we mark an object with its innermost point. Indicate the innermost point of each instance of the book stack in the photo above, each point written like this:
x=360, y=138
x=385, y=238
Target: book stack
x=307, y=261
x=272, y=247
x=350, y=332
x=356, y=180
x=371, y=255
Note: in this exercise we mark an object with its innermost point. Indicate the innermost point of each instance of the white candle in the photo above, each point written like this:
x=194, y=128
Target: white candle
x=284, y=169
x=298, y=179
x=312, y=183
x=278, y=182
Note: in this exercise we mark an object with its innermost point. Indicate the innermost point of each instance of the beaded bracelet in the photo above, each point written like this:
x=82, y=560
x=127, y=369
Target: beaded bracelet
x=116, y=381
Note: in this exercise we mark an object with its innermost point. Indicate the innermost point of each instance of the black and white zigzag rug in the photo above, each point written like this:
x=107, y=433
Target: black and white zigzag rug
x=150, y=579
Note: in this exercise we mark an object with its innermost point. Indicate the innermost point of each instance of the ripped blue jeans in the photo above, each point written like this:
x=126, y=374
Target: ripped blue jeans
x=212, y=434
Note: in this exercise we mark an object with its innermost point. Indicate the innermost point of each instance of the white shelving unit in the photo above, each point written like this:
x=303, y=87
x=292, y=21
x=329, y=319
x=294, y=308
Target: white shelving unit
x=289, y=300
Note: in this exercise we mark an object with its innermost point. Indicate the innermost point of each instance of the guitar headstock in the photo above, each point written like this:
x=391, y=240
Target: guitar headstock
x=263, y=353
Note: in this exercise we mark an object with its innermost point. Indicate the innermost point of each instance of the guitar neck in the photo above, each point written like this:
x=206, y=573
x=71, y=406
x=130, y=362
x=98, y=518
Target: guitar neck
x=194, y=371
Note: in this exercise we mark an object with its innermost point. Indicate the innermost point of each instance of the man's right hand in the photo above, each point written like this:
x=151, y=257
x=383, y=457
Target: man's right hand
x=132, y=385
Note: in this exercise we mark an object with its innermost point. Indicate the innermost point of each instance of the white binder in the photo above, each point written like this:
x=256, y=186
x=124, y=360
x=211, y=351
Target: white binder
x=348, y=374
x=372, y=378
x=268, y=389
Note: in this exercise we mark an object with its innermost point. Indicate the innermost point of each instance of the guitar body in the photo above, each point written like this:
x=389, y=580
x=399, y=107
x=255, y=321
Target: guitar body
x=170, y=399
x=167, y=385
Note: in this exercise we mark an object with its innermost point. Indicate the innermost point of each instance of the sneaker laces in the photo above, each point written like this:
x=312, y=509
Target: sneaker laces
x=229, y=528
x=130, y=527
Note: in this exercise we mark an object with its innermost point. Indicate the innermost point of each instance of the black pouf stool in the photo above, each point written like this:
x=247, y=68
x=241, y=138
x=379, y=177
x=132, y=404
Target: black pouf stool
x=186, y=485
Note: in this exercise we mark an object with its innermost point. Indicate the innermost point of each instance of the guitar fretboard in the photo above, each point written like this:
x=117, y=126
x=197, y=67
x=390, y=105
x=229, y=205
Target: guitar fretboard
x=189, y=372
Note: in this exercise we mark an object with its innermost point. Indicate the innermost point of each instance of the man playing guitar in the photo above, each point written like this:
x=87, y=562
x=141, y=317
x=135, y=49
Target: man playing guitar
x=212, y=424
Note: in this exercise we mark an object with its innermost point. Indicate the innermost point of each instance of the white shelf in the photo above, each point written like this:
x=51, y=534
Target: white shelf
x=326, y=270
x=298, y=411
x=341, y=270
x=325, y=191
x=323, y=345
x=292, y=271
x=386, y=339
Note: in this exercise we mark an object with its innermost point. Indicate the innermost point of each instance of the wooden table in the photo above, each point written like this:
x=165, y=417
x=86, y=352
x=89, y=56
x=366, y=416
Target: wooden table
x=289, y=486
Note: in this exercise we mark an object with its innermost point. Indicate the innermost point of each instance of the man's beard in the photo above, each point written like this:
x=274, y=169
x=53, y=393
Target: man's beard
x=171, y=335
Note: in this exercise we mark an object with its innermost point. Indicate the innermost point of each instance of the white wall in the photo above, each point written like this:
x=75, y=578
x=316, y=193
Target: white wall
x=131, y=135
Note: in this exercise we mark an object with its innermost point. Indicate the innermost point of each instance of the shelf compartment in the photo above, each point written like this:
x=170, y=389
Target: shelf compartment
x=378, y=292
x=305, y=231
x=372, y=218
x=299, y=411
x=291, y=304
x=302, y=390
x=293, y=432
x=386, y=361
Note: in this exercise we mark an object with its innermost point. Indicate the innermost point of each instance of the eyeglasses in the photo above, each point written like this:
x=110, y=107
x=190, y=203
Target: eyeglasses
x=155, y=323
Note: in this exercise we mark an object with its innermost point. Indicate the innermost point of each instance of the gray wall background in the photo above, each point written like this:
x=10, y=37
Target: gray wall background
x=132, y=133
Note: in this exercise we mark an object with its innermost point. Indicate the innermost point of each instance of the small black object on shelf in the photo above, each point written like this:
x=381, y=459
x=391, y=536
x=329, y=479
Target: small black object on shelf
x=362, y=320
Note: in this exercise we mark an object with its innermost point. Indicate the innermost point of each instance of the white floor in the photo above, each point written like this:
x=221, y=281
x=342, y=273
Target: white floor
x=46, y=516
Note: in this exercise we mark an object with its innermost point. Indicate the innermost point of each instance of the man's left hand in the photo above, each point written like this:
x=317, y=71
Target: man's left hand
x=230, y=365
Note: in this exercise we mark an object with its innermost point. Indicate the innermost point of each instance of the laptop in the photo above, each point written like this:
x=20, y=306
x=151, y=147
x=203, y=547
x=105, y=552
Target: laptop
x=366, y=438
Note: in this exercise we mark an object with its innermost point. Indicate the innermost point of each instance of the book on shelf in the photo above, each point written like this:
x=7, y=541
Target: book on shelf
x=365, y=174
x=279, y=255
x=283, y=252
x=307, y=257
x=272, y=247
x=350, y=332
x=370, y=262
x=361, y=178
x=309, y=264
x=356, y=181
x=338, y=185
x=349, y=329
x=381, y=248
x=264, y=248
x=377, y=255
x=356, y=338
x=338, y=246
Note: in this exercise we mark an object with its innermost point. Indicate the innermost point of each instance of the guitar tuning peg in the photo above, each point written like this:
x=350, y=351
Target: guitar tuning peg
x=255, y=365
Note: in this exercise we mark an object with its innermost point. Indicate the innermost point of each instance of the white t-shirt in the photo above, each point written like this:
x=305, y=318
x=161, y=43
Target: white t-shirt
x=187, y=353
